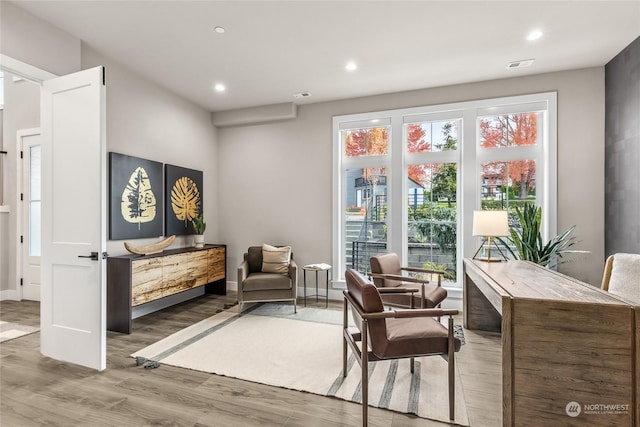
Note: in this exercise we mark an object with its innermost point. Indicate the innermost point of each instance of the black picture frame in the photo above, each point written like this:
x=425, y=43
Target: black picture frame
x=136, y=197
x=184, y=199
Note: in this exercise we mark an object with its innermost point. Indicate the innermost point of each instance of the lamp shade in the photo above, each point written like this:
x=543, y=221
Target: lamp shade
x=490, y=223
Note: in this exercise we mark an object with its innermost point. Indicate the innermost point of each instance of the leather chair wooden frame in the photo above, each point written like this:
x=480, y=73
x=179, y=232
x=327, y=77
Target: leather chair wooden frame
x=377, y=331
x=386, y=272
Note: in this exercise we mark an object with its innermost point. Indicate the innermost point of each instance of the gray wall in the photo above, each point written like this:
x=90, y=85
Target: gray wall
x=278, y=176
x=143, y=120
x=21, y=111
x=622, y=151
x=147, y=121
x=33, y=41
x=36, y=42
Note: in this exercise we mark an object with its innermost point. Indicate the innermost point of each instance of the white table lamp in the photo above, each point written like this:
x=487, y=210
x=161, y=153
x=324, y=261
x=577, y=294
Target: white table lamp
x=490, y=224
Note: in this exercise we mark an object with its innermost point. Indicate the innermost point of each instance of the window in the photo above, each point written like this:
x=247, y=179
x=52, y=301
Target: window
x=365, y=149
x=432, y=208
x=408, y=181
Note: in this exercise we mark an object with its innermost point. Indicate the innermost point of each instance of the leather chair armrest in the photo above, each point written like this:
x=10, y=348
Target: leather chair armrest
x=424, y=312
x=397, y=291
x=398, y=278
x=425, y=271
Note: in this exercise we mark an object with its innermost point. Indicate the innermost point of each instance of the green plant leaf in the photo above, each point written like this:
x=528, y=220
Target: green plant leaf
x=527, y=239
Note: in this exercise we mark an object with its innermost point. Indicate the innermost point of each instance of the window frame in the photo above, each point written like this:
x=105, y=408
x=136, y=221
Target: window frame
x=468, y=156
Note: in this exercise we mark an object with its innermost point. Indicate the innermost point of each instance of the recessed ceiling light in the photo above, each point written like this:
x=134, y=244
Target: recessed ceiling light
x=534, y=35
x=351, y=66
x=219, y=30
x=219, y=87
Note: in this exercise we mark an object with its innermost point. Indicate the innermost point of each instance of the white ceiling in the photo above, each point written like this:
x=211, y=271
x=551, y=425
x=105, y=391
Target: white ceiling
x=274, y=49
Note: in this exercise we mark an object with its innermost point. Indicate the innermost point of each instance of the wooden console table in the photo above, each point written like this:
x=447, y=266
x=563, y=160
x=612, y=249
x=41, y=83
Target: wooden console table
x=570, y=352
x=133, y=280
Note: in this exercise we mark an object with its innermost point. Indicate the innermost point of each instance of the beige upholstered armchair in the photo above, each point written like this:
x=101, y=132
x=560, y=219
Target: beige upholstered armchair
x=268, y=273
x=622, y=276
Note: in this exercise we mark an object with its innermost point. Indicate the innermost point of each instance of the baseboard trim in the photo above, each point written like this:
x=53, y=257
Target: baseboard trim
x=9, y=295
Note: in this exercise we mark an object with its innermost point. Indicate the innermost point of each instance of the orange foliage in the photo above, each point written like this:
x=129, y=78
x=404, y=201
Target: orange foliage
x=508, y=131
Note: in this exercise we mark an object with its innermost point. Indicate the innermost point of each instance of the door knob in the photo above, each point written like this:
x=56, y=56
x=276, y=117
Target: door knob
x=93, y=256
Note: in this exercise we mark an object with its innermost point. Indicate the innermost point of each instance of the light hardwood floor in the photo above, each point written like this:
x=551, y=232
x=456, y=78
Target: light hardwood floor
x=39, y=391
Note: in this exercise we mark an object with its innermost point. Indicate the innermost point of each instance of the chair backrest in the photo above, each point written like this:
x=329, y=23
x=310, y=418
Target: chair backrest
x=363, y=291
x=367, y=296
x=386, y=264
x=253, y=256
x=622, y=276
x=254, y=259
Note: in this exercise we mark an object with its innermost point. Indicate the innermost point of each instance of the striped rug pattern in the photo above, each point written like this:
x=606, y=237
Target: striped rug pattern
x=269, y=344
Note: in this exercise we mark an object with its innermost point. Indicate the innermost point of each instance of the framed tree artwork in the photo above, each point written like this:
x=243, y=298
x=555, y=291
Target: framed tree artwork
x=183, y=192
x=135, y=197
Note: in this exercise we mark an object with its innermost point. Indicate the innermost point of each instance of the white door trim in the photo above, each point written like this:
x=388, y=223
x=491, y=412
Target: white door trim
x=22, y=229
x=20, y=135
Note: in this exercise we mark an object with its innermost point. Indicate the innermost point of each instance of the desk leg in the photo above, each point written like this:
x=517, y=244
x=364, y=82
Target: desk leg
x=478, y=313
x=305, y=287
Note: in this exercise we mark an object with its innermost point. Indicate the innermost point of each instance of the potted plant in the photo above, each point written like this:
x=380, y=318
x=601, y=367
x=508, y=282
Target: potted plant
x=527, y=239
x=198, y=228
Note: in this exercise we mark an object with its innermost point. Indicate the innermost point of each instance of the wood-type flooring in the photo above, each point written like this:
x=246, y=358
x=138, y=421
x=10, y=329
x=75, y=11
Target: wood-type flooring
x=39, y=391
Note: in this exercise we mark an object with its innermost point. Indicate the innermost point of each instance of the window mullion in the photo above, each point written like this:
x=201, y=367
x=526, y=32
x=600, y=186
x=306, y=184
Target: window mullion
x=397, y=209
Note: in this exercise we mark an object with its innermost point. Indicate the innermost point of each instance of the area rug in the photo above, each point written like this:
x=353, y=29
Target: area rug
x=269, y=344
x=9, y=330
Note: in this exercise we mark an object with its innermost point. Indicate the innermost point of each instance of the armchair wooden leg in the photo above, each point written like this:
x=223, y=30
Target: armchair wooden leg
x=412, y=364
x=365, y=374
x=345, y=325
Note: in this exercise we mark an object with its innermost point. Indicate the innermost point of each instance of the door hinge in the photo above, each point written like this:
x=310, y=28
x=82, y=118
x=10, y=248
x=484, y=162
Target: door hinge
x=21, y=239
x=21, y=197
x=104, y=77
x=21, y=281
x=21, y=154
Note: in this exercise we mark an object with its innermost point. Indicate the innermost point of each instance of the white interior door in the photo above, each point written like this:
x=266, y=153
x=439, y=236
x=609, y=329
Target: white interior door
x=30, y=147
x=73, y=292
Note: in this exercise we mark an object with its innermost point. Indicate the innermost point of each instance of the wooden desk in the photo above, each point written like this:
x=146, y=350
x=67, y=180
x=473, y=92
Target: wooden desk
x=566, y=345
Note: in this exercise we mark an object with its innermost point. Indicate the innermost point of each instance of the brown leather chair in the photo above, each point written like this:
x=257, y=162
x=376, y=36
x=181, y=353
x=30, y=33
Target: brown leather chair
x=393, y=334
x=386, y=272
x=254, y=285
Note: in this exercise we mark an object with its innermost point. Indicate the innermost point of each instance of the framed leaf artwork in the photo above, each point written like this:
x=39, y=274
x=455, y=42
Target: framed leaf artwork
x=136, y=197
x=183, y=192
